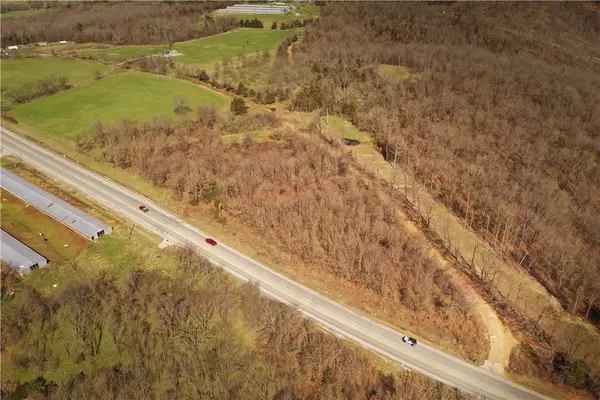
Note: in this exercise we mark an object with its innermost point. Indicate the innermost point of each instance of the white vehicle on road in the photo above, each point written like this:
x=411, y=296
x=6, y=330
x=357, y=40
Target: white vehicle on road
x=409, y=340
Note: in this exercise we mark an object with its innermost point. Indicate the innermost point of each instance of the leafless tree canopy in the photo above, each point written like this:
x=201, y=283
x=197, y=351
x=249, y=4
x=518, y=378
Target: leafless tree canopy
x=303, y=200
x=190, y=334
x=502, y=122
x=116, y=22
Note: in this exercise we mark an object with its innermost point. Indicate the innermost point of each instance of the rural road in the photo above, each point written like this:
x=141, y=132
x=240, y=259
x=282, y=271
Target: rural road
x=332, y=315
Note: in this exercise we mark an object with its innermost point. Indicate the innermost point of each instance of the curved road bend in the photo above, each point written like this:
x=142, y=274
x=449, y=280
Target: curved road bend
x=332, y=315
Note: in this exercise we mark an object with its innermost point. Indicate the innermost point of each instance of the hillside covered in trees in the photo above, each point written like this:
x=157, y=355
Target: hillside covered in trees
x=307, y=203
x=114, y=22
x=499, y=118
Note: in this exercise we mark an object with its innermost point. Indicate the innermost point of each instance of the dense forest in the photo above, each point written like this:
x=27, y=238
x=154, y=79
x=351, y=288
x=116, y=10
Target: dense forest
x=116, y=22
x=500, y=118
x=187, y=334
x=305, y=201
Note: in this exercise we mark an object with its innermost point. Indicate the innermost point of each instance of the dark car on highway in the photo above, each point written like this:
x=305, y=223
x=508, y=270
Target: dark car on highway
x=211, y=241
x=144, y=208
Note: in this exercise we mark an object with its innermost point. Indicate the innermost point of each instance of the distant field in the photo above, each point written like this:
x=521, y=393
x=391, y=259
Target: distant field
x=132, y=95
x=18, y=72
x=268, y=19
x=25, y=223
x=206, y=50
x=16, y=14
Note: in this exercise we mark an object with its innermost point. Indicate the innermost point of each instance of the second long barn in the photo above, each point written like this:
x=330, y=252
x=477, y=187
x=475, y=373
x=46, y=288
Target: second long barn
x=79, y=221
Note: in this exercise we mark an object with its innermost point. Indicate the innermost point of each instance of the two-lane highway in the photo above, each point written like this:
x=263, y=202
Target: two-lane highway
x=329, y=313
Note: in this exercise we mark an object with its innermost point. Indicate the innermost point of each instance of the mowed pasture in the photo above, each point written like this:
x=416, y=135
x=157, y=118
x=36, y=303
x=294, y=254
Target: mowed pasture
x=203, y=51
x=133, y=95
x=15, y=73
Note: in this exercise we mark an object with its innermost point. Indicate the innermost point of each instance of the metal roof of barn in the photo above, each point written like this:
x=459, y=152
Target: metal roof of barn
x=255, y=9
x=17, y=254
x=62, y=211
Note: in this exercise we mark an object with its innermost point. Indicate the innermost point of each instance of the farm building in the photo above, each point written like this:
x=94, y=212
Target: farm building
x=18, y=255
x=58, y=209
x=255, y=9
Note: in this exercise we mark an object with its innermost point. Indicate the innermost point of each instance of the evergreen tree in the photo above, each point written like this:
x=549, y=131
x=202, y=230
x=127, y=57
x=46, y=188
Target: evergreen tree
x=238, y=106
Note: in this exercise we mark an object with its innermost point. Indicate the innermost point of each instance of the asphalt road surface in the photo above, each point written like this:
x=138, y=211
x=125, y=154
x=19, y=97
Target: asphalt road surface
x=334, y=316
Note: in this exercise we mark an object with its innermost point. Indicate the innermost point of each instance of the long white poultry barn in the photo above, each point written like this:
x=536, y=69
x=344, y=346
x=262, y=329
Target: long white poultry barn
x=79, y=221
x=256, y=9
x=18, y=255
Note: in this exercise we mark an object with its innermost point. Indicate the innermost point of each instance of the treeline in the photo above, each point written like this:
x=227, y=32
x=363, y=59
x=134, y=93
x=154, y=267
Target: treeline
x=49, y=85
x=117, y=23
x=181, y=335
x=295, y=24
x=251, y=23
x=505, y=140
x=304, y=201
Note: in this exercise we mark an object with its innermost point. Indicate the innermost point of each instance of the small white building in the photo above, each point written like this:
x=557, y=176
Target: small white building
x=63, y=42
x=13, y=47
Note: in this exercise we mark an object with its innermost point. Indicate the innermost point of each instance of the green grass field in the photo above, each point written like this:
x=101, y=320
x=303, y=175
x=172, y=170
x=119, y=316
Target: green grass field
x=18, y=72
x=16, y=14
x=133, y=95
x=206, y=50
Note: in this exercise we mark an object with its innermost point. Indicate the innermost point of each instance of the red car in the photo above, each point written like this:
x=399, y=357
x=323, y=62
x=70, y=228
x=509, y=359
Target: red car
x=144, y=208
x=211, y=241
